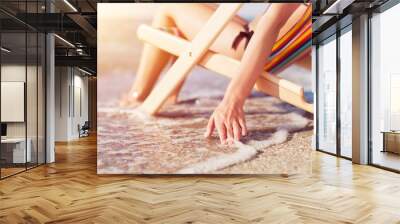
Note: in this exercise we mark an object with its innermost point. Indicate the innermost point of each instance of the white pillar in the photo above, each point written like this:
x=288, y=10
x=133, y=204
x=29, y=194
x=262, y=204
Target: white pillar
x=63, y=103
x=360, y=90
x=50, y=99
x=50, y=92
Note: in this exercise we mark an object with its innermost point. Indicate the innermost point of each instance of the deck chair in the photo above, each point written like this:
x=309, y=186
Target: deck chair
x=196, y=52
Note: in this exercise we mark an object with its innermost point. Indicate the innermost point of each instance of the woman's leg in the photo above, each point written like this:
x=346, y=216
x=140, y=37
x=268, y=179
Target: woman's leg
x=153, y=60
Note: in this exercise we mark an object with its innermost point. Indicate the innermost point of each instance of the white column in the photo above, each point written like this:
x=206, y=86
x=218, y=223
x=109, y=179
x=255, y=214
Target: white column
x=50, y=98
x=63, y=101
x=360, y=90
x=50, y=92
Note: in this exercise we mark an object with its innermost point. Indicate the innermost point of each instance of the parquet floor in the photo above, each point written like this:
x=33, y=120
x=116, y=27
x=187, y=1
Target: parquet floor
x=69, y=191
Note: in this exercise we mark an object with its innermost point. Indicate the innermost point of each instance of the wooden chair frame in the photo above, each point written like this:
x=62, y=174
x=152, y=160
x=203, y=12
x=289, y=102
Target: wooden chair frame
x=196, y=52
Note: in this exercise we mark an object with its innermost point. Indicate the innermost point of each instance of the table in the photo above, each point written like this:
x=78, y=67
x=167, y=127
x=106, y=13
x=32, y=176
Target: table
x=18, y=150
x=391, y=141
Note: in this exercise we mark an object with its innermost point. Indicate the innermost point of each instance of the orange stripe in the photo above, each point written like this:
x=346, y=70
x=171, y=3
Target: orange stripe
x=293, y=31
x=303, y=29
x=304, y=37
x=302, y=54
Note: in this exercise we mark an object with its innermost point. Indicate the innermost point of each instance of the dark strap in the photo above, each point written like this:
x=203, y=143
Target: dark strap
x=246, y=34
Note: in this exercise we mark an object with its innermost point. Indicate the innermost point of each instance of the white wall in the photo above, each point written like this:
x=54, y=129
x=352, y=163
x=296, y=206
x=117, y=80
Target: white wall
x=82, y=82
x=79, y=117
x=62, y=82
x=33, y=126
x=12, y=101
x=12, y=73
x=70, y=83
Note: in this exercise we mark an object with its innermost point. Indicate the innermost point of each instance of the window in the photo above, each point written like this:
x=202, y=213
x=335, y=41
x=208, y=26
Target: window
x=346, y=75
x=385, y=89
x=327, y=96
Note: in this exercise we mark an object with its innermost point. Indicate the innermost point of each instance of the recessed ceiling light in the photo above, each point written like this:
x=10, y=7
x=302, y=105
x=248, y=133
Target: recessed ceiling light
x=338, y=6
x=5, y=50
x=84, y=71
x=65, y=41
x=70, y=5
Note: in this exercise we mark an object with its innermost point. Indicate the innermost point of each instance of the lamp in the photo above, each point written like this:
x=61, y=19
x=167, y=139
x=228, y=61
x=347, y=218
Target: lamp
x=5, y=50
x=64, y=40
x=70, y=5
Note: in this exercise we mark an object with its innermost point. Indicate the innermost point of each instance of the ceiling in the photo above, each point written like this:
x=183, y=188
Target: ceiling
x=332, y=15
x=73, y=21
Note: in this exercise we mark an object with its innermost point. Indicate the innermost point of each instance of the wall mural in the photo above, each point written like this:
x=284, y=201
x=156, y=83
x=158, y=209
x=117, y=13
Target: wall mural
x=159, y=113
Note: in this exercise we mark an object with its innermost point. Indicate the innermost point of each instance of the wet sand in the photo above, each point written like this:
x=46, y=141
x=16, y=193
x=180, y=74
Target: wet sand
x=130, y=142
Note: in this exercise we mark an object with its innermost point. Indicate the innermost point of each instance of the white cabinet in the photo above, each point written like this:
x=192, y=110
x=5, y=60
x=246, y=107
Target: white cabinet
x=19, y=155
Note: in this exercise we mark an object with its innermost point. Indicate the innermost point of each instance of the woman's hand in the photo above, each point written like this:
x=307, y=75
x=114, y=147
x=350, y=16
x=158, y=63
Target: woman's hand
x=228, y=118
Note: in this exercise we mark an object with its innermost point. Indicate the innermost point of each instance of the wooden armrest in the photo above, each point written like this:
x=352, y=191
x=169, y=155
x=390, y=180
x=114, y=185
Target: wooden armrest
x=272, y=85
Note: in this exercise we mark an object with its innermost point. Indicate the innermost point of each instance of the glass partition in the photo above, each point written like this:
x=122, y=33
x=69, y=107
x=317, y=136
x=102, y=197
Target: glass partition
x=385, y=89
x=32, y=86
x=327, y=95
x=32, y=95
x=14, y=153
x=23, y=91
x=346, y=92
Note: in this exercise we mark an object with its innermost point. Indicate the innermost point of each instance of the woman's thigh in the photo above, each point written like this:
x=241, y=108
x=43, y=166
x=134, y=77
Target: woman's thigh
x=191, y=17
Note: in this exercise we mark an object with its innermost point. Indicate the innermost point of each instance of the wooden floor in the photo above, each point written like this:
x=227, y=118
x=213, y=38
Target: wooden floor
x=5, y=172
x=69, y=191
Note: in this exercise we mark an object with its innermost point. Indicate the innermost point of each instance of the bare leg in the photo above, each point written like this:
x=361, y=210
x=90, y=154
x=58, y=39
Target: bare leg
x=153, y=60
